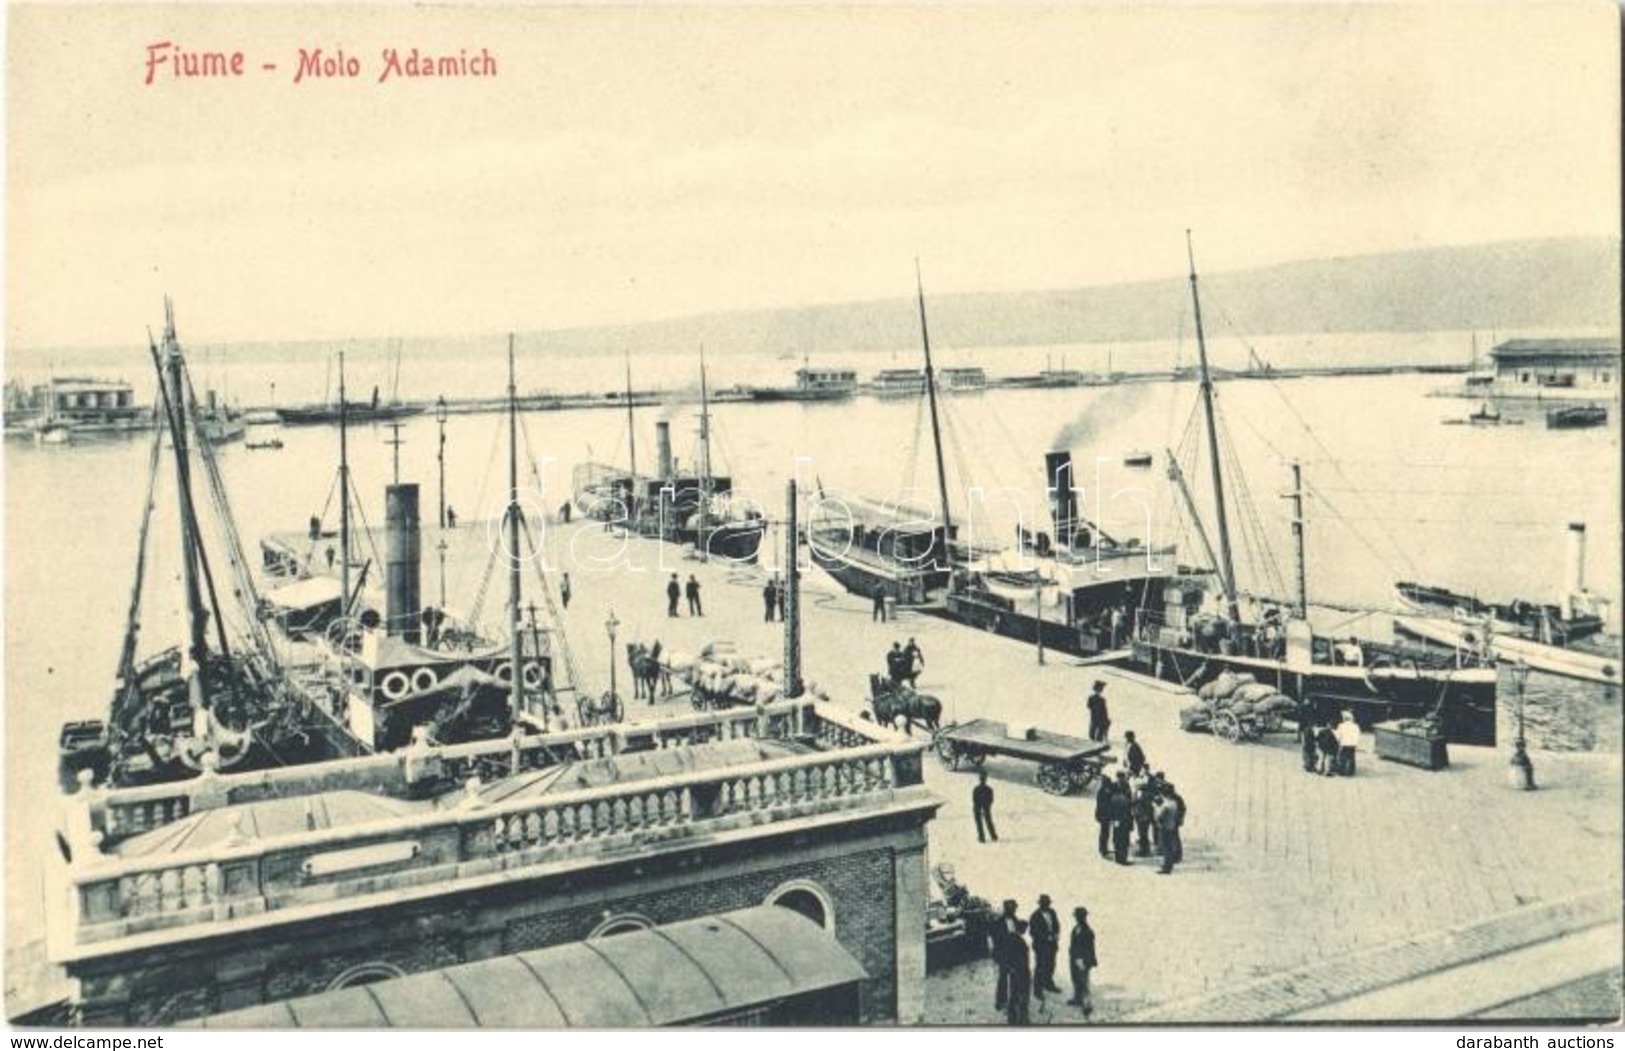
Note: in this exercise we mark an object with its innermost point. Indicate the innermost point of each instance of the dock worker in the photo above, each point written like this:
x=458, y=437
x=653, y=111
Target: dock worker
x=1135, y=756
x=878, y=610
x=1081, y=959
x=896, y=664
x=981, y=804
x=916, y=662
x=1001, y=934
x=692, y=590
x=1350, y=653
x=451, y=517
x=1122, y=812
x=1103, y=815
x=1046, y=934
x=1348, y=743
x=1099, y=720
x=1170, y=817
x=778, y=597
x=1308, y=728
x=770, y=599
x=674, y=591
x=1326, y=741
x=1019, y=966
x=564, y=590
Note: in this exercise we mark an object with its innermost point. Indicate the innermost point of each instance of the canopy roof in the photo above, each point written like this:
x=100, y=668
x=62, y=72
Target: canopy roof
x=682, y=972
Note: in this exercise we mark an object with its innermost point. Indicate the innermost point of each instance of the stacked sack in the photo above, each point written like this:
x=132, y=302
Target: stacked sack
x=721, y=675
x=1239, y=694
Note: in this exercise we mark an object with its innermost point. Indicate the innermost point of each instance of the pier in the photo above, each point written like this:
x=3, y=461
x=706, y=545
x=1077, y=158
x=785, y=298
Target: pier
x=1300, y=896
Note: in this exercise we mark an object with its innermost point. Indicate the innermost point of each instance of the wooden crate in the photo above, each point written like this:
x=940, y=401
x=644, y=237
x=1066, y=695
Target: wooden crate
x=1411, y=749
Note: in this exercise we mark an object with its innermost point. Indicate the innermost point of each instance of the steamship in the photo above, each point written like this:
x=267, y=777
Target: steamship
x=694, y=509
x=226, y=697
x=1078, y=589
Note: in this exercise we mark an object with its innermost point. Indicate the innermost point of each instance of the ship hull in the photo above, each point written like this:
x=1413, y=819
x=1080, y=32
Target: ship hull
x=1463, y=697
x=1554, y=660
x=354, y=414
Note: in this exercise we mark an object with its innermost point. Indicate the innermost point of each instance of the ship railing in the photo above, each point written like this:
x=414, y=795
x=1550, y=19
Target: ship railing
x=473, y=840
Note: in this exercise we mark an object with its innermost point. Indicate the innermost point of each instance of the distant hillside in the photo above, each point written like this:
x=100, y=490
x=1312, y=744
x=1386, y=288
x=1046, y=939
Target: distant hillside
x=1556, y=283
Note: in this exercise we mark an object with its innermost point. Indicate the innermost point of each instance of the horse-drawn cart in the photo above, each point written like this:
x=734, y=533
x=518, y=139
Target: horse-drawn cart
x=1065, y=764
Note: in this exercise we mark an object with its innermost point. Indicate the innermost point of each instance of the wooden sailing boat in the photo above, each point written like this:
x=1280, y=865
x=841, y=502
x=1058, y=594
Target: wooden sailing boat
x=1181, y=641
x=215, y=700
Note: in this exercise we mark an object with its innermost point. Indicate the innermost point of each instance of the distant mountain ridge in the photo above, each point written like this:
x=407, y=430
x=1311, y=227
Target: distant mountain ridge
x=1559, y=283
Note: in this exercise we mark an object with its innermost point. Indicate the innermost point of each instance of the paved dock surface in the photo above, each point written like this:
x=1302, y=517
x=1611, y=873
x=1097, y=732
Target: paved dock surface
x=1382, y=880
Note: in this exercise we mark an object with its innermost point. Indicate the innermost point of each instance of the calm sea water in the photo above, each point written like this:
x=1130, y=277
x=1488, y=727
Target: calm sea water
x=1396, y=494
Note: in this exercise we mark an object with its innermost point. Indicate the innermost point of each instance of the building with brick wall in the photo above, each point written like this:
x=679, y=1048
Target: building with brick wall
x=182, y=901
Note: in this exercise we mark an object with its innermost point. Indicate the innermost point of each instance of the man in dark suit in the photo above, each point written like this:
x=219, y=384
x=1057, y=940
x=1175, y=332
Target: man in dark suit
x=674, y=591
x=1122, y=813
x=1045, y=926
x=1019, y=967
x=1099, y=721
x=981, y=804
x=1135, y=757
x=1081, y=957
x=1103, y=815
x=1001, y=936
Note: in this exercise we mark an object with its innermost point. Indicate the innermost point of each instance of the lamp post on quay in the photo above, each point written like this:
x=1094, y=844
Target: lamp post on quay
x=1522, y=771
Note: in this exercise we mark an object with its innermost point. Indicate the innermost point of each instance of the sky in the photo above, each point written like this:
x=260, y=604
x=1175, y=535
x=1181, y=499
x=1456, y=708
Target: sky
x=638, y=162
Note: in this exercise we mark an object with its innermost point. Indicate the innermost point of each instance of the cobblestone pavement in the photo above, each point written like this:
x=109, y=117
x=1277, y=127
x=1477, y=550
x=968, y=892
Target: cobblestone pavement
x=1283, y=870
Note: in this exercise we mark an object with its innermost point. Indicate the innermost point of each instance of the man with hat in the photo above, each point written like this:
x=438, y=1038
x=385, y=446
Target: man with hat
x=1019, y=968
x=1099, y=721
x=1170, y=815
x=1348, y=742
x=1081, y=957
x=1046, y=935
x=1003, y=951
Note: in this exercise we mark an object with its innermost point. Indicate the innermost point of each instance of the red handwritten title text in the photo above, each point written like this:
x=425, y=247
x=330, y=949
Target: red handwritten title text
x=167, y=60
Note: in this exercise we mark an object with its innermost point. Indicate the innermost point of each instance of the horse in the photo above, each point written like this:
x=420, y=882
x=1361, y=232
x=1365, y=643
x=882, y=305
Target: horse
x=647, y=671
x=891, y=703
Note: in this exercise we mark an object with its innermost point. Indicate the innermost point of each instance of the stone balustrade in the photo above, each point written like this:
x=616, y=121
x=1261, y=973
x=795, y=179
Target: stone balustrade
x=855, y=763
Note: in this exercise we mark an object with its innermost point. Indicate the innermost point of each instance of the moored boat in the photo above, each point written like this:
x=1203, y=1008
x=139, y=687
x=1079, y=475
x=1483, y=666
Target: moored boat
x=1183, y=639
x=1576, y=416
x=821, y=384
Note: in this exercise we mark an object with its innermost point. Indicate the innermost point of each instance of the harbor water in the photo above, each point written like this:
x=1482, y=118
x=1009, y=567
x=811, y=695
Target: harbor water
x=1394, y=494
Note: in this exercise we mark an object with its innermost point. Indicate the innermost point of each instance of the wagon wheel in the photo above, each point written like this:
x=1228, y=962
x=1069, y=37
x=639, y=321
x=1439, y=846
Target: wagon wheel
x=947, y=751
x=1227, y=726
x=1055, y=778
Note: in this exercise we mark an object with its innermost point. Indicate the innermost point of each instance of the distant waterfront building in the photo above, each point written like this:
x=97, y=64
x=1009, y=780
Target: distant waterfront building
x=899, y=383
x=76, y=401
x=965, y=378
x=1557, y=368
x=177, y=902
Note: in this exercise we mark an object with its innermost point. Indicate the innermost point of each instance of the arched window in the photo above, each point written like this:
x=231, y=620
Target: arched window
x=807, y=898
x=365, y=974
x=621, y=923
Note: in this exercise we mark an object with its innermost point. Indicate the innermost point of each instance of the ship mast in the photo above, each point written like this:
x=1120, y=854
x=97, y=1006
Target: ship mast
x=631, y=440
x=1227, y=570
x=515, y=639
x=344, y=496
x=705, y=459
x=196, y=616
x=931, y=395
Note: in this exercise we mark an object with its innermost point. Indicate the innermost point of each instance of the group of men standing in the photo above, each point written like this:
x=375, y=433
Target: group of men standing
x=1024, y=973
x=675, y=592
x=1327, y=749
x=1142, y=807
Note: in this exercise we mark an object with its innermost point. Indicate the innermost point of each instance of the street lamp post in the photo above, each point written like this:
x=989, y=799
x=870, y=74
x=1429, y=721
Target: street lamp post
x=610, y=625
x=1521, y=769
x=440, y=418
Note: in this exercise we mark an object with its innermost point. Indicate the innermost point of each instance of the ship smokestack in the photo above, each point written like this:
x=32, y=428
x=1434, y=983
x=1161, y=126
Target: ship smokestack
x=1063, y=499
x=1574, y=581
x=663, y=466
x=403, y=605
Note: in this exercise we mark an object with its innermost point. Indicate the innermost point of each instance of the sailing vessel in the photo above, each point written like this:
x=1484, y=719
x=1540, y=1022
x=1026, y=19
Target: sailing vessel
x=889, y=549
x=1180, y=641
x=221, y=698
x=688, y=508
